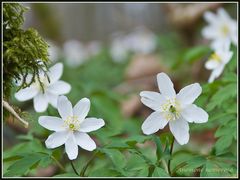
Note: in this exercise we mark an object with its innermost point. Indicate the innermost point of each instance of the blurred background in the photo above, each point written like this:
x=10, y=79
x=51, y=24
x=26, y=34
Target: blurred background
x=111, y=52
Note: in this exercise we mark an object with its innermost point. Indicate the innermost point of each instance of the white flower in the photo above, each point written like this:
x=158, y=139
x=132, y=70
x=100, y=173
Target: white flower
x=221, y=28
x=141, y=41
x=172, y=108
x=71, y=129
x=51, y=89
x=119, y=50
x=217, y=61
x=75, y=53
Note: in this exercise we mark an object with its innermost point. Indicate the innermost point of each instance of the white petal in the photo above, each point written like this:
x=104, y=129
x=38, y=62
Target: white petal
x=192, y=113
x=188, y=94
x=223, y=14
x=165, y=85
x=59, y=87
x=209, y=32
x=153, y=123
x=210, y=17
x=64, y=107
x=212, y=77
x=211, y=64
x=40, y=102
x=52, y=98
x=152, y=100
x=57, y=139
x=91, y=124
x=227, y=57
x=55, y=72
x=51, y=123
x=26, y=93
x=82, y=108
x=179, y=129
x=84, y=141
x=218, y=71
x=71, y=147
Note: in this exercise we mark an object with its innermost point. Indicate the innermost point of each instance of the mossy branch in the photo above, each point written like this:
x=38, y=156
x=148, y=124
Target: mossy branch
x=24, y=51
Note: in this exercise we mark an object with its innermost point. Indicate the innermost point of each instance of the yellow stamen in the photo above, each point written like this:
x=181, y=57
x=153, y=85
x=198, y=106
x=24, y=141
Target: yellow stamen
x=72, y=123
x=171, y=109
x=215, y=57
x=225, y=30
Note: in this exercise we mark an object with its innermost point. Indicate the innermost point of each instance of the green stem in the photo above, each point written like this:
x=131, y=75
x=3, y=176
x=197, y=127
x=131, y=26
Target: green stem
x=58, y=164
x=82, y=173
x=169, y=161
x=74, y=169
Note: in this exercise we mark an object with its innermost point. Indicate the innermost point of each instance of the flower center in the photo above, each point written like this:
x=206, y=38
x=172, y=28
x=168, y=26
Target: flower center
x=215, y=57
x=171, y=109
x=72, y=123
x=225, y=30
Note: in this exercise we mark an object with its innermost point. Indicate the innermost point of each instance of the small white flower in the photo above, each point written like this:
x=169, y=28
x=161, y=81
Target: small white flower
x=119, y=50
x=49, y=92
x=71, y=129
x=75, y=53
x=217, y=61
x=221, y=29
x=172, y=108
x=141, y=41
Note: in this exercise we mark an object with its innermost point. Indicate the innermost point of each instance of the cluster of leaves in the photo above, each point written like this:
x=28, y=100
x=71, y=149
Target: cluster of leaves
x=24, y=51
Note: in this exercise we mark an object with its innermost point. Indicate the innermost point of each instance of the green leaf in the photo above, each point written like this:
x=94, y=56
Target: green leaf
x=66, y=175
x=159, y=150
x=223, y=143
x=223, y=94
x=137, y=139
x=196, y=53
x=27, y=162
x=22, y=165
x=159, y=172
x=230, y=77
x=116, y=157
x=211, y=169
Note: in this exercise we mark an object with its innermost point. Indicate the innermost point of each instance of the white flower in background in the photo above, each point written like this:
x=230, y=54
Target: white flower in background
x=118, y=49
x=71, y=129
x=175, y=109
x=49, y=92
x=217, y=61
x=141, y=41
x=53, y=52
x=75, y=53
x=221, y=29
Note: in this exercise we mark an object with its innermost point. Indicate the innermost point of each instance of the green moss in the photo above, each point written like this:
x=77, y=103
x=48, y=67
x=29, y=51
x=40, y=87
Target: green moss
x=24, y=51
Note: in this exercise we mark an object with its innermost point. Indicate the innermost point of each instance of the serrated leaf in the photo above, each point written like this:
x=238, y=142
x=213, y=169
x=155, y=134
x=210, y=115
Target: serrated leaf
x=22, y=165
x=223, y=143
x=159, y=172
x=224, y=93
x=116, y=157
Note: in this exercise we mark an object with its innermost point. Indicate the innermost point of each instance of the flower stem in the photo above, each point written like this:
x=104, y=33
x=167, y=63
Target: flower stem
x=82, y=173
x=74, y=169
x=169, y=161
